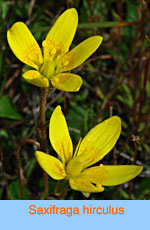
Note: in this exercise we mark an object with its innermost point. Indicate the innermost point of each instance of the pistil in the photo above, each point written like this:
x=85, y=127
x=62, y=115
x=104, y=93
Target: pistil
x=48, y=69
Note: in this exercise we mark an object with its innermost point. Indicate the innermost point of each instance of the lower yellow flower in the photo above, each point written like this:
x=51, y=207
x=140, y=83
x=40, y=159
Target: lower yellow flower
x=95, y=145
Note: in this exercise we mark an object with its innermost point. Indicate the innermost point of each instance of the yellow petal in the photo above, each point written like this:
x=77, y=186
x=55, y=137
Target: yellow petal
x=80, y=53
x=67, y=82
x=110, y=175
x=99, y=141
x=51, y=165
x=24, y=45
x=59, y=135
x=61, y=34
x=94, y=174
x=35, y=78
x=82, y=185
x=115, y=175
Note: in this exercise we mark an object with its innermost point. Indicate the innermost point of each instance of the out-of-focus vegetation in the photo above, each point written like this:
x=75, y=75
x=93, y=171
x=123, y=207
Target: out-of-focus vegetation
x=116, y=81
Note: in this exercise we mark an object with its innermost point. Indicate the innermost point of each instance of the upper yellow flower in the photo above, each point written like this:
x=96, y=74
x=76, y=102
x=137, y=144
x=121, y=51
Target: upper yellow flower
x=52, y=61
x=95, y=145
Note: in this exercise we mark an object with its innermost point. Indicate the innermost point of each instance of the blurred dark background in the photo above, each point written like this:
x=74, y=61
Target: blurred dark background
x=116, y=81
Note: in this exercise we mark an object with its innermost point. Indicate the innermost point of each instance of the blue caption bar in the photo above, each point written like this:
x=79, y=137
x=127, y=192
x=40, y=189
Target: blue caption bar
x=74, y=214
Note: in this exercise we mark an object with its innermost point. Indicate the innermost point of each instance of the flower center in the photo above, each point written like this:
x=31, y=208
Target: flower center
x=74, y=168
x=54, y=53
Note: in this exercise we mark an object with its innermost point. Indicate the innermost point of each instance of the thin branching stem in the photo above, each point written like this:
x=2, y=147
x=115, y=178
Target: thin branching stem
x=19, y=168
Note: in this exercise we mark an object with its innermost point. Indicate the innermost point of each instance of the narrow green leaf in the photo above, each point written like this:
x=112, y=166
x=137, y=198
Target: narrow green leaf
x=90, y=25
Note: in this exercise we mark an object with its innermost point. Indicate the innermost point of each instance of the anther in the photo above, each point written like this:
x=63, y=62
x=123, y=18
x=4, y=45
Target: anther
x=53, y=51
x=65, y=63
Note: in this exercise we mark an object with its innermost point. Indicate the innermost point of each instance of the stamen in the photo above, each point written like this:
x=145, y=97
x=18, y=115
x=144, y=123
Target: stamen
x=65, y=63
x=58, y=57
x=53, y=51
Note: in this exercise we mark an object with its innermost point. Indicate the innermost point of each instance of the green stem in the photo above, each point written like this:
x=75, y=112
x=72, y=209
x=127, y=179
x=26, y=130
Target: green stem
x=43, y=133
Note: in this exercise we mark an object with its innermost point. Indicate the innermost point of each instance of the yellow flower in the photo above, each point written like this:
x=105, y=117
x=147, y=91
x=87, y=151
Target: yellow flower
x=95, y=145
x=52, y=62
